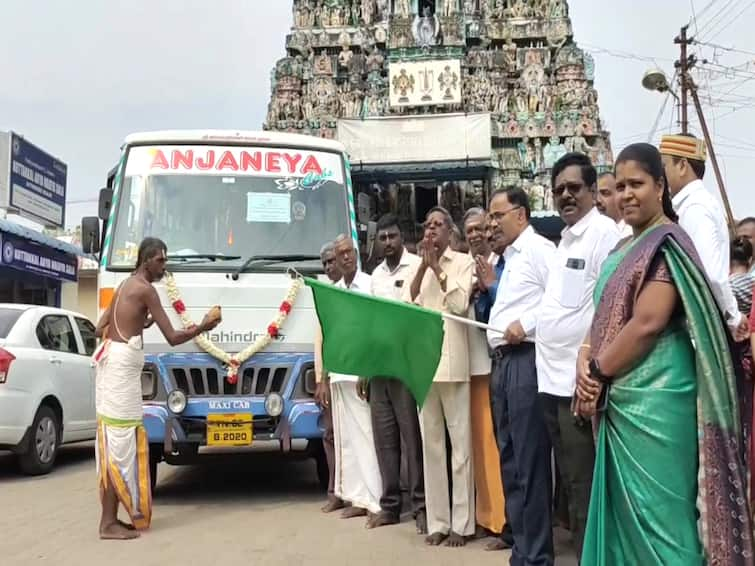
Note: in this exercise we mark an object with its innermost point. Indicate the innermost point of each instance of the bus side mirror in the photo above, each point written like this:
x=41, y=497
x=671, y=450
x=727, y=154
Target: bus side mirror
x=106, y=202
x=90, y=234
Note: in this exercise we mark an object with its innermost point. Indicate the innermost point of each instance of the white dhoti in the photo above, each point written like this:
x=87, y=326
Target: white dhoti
x=122, y=450
x=357, y=477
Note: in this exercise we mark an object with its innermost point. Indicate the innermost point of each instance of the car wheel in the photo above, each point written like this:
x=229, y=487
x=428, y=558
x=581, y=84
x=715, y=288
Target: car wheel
x=38, y=457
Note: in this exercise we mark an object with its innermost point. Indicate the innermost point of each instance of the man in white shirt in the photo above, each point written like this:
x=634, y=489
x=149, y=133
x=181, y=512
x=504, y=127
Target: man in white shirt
x=565, y=317
x=523, y=440
x=443, y=283
x=607, y=202
x=394, y=410
x=357, y=478
x=703, y=219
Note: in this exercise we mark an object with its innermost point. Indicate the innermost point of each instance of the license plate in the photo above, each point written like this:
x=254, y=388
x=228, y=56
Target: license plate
x=233, y=429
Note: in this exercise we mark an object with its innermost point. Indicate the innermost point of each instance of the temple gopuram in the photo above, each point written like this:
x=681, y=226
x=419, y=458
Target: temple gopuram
x=440, y=101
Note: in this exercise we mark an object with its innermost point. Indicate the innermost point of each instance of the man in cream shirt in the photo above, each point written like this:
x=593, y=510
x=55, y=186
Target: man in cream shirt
x=565, y=317
x=703, y=219
x=443, y=283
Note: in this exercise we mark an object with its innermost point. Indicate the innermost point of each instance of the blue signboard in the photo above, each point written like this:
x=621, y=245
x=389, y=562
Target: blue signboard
x=26, y=255
x=37, y=182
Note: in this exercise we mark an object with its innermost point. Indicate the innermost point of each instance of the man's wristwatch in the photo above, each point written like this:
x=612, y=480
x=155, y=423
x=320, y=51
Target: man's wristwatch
x=596, y=373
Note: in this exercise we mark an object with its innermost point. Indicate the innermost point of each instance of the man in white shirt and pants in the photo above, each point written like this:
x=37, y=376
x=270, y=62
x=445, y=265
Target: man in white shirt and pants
x=523, y=441
x=357, y=478
x=395, y=422
x=701, y=217
x=565, y=318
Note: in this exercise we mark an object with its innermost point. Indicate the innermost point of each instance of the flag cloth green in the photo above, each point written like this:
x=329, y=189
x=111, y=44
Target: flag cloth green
x=373, y=337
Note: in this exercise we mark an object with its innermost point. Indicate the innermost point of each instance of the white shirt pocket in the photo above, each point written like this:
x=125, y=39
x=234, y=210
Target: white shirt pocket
x=573, y=282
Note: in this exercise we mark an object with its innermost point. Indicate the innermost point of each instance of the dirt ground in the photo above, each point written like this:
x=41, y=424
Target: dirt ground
x=246, y=510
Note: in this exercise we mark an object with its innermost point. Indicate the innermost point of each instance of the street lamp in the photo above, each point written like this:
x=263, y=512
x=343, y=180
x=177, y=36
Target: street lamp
x=655, y=80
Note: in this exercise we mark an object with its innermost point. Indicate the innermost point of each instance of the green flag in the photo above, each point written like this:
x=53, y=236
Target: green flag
x=372, y=337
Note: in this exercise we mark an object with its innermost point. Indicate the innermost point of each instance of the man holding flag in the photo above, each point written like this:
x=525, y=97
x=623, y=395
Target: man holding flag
x=357, y=478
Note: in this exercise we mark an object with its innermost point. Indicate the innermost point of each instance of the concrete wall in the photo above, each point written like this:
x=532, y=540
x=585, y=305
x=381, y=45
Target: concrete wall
x=82, y=296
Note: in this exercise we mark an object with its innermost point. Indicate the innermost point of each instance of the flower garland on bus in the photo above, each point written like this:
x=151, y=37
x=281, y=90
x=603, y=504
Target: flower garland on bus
x=234, y=361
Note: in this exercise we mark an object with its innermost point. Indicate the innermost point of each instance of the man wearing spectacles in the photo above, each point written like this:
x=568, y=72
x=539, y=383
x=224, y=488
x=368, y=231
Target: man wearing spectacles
x=522, y=436
x=565, y=317
x=443, y=283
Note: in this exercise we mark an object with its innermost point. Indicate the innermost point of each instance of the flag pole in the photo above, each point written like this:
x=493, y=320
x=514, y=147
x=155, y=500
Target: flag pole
x=470, y=322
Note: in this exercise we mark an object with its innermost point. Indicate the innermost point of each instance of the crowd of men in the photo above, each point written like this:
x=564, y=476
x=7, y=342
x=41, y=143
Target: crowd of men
x=477, y=457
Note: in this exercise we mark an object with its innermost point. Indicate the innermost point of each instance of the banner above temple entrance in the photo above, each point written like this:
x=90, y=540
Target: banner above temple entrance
x=445, y=137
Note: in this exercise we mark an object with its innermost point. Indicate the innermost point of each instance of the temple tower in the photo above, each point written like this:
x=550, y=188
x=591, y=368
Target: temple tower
x=440, y=101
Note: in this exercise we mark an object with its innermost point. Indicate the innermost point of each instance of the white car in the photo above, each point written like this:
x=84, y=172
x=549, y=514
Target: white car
x=46, y=382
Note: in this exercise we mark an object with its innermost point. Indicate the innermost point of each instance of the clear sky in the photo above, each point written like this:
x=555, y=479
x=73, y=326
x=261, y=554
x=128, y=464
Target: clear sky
x=77, y=77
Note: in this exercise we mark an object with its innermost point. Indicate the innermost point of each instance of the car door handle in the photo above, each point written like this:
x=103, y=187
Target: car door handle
x=55, y=360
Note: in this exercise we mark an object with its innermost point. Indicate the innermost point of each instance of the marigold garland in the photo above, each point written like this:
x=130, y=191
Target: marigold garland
x=233, y=361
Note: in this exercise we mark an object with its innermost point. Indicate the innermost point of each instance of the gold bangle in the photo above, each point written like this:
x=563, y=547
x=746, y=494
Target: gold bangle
x=587, y=346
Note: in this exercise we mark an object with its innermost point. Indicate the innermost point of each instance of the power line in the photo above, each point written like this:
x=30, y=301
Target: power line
x=661, y=112
x=596, y=49
x=719, y=30
x=724, y=48
x=694, y=16
x=716, y=18
x=728, y=72
x=707, y=7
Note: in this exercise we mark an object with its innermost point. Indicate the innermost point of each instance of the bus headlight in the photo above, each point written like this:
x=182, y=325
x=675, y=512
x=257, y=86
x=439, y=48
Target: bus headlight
x=274, y=405
x=176, y=401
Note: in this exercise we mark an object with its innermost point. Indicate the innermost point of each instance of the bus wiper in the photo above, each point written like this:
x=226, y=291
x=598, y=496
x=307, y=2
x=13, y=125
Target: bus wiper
x=270, y=259
x=209, y=257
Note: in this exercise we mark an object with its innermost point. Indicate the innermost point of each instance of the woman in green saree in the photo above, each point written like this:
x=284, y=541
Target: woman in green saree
x=669, y=476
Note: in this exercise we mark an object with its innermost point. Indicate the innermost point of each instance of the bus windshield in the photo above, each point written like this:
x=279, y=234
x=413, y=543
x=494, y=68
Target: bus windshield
x=211, y=203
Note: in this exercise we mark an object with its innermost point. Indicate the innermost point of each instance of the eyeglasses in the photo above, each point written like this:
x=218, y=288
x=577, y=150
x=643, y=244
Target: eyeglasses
x=573, y=189
x=501, y=215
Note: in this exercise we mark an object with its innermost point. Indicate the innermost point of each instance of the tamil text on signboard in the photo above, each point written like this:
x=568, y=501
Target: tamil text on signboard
x=32, y=182
x=20, y=253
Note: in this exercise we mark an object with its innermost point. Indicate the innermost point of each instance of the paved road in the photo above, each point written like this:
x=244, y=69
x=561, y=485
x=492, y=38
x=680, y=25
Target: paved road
x=254, y=509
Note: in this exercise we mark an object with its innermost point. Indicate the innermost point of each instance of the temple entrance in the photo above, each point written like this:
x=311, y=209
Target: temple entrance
x=425, y=198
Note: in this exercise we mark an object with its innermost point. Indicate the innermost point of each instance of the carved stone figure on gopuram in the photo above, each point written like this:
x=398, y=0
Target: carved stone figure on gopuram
x=514, y=61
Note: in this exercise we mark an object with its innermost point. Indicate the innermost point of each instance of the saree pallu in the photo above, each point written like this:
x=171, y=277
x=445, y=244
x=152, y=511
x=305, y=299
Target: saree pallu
x=670, y=483
x=745, y=390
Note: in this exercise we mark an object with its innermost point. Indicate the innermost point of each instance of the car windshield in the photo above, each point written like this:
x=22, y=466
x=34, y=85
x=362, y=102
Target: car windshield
x=8, y=318
x=216, y=218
